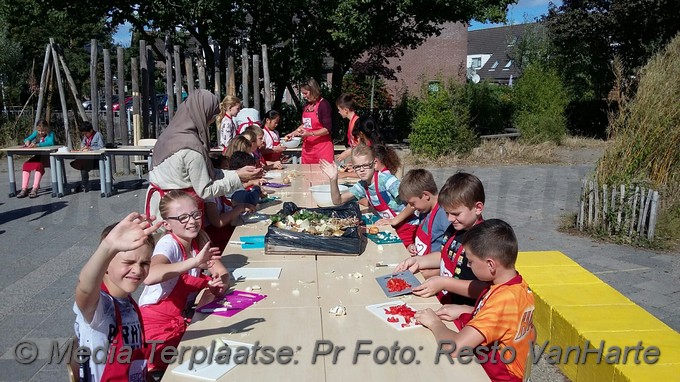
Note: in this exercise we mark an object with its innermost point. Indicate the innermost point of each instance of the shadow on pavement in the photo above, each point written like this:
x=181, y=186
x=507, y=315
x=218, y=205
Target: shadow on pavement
x=43, y=209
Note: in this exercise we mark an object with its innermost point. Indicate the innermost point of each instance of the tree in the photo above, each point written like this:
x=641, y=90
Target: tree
x=10, y=58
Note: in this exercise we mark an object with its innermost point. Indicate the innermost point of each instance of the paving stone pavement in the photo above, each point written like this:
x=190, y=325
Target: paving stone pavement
x=45, y=242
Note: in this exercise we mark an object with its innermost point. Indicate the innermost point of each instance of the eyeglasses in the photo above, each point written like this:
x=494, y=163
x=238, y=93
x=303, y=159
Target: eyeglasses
x=184, y=218
x=364, y=166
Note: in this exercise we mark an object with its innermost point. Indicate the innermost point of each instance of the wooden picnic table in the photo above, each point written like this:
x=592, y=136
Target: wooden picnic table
x=296, y=312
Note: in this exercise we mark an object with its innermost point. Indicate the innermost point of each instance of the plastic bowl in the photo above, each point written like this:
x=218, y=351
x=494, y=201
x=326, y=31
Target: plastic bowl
x=293, y=143
x=322, y=194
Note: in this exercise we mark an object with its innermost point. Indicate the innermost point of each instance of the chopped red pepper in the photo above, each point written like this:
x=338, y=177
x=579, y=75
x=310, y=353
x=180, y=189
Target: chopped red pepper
x=400, y=310
x=397, y=284
x=392, y=319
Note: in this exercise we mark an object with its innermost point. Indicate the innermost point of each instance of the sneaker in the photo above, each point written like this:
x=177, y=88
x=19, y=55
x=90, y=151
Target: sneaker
x=23, y=193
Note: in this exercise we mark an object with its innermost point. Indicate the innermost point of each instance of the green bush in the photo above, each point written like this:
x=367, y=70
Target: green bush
x=441, y=125
x=404, y=114
x=539, y=101
x=490, y=107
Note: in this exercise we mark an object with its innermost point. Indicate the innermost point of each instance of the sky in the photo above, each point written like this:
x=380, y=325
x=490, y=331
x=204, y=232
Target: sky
x=523, y=11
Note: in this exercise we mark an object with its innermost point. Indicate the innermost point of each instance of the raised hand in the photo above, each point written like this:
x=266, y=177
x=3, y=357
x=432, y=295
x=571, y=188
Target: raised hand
x=132, y=232
x=207, y=255
x=330, y=169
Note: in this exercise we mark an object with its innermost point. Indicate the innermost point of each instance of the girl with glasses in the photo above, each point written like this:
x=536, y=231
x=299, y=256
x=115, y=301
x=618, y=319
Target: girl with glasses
x=177, y=273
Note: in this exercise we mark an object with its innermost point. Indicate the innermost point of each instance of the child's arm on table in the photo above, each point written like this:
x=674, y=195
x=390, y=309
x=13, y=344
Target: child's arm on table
x=415, y=264
x=450, y=312
x=436, y=284
x=129, y=234
x=162, y=270
x=223, y=219
x=467, y=337
x=331, y=171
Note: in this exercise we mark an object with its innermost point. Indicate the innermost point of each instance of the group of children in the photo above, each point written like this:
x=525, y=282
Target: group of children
x=467, y=262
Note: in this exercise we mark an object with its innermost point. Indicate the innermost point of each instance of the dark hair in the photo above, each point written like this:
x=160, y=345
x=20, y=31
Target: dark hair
x=494, y=239
x=240, y=159
x=221, y=162
x=461, y=189
x=388, y=157
x=271, y=114
x=370, y=127
x=85, y=127
x=415, y=182
x=105, y=232
x=44, y=124
x=346, y=100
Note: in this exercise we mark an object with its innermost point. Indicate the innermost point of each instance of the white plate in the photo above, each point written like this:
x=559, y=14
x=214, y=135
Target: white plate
x=379, y=311
x=211, y=371
x=255, y=273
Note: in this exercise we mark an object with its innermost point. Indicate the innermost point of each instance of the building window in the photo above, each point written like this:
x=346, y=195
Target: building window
x=508, y=65
x=493, y=67
x=476, y=62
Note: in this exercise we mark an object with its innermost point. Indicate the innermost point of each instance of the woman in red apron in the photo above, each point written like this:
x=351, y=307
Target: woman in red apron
x=317, y=125
x=167, y=298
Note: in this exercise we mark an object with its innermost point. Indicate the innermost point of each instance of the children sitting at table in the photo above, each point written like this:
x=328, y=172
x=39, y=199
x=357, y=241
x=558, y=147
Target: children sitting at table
x=419, y=190
x=176, y=275
x=92, y=140
x=462, y=197
x=238, y=143
x=41, y=137
x=258, y=133
x=503, y=313
x=106, y=314
x=381, y=189
x=252, y=192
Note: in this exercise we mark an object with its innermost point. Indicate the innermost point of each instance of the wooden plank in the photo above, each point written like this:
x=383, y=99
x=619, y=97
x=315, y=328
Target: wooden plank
x=652, y=216
x=200, y=64
x=154, y=126
x=244, y=77
x=596, y=197
x=256, y=82
x=189, y=68
x=632, y=211
x=178, y=75
x=144, y=71
x=590, y=203
x=504, y=135
x=622, y=200
x=217, y=53
x=94, y=95
x=62, y=94
x=231, y=74
x=648, y=202
x=122, y=110
x=108, y=89
x=605, y=200
x=41, y=91
x=267, y=83
x=136, y=129
x=168, y=78
x=582, y=203
x=612, y=208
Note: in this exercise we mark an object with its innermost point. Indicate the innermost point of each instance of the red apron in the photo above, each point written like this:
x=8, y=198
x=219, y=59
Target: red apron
x=494, y=367
x=450, y=267
x=272, y=156
x=351, y=142
x=162, y=192
x=242, y=127
x=405, y=231
x=135, y=370
x=315, y=148
x=164, y=320
x=424, y=239
x=37, y=162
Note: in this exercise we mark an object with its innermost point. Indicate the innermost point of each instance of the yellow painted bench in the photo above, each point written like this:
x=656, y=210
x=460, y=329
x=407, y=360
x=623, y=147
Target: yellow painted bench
x=574, y=306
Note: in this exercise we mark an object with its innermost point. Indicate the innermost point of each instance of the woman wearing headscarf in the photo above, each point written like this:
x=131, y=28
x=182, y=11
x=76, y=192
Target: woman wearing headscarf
x=181, y=156
x=317, y=125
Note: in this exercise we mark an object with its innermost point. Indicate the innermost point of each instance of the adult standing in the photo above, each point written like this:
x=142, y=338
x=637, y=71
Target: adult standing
x=317, y=125
x=181, y=156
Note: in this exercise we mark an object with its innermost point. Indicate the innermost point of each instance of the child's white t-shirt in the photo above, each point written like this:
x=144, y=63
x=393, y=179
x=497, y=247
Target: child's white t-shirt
x=227, y=130
x=270, y=136
x=99, y=333
x=167, y=246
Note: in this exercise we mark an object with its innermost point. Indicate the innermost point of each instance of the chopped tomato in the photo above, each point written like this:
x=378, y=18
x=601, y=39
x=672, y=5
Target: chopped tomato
x=397, y=284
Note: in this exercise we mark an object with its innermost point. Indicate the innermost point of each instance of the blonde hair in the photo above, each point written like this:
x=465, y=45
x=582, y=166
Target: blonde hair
x=172, y=196
x=313, y=88
x=257, y=130
x=363, y=150
x=227, y=103
x=238, y=143
x=415, y=182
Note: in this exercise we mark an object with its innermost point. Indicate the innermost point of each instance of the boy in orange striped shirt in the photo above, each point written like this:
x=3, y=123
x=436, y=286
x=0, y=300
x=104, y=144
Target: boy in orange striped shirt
x=499, y=327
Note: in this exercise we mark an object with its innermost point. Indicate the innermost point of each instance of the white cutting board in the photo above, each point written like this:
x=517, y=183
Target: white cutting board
x=214, y=370
x=379, y=311
x=255, y=273
x=273, y=175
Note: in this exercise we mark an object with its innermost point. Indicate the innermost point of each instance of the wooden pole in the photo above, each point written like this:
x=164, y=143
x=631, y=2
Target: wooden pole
x=244, y=77
x=605, y=218
x=62, y=95
x=200, y=64
x=122, y=110
x=145, y=88
x=136, y=101
x=652, y=215
x=189, y=67
x=256, y=82
x=50, y=92
x=218, y=77
x=231, y=74
x=94, y=96
x=43, y=77
x=168, y=78
x=72, y=86
x=632, y=211
x=108, y=89
x=613, y=208
x=267, y=83
x=648, y=202
x=178, y=74
x=154, y=129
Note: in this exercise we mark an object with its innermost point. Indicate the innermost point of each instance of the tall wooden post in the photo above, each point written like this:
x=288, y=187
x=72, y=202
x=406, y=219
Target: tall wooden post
x=256, y=81
x=94, y=97
x=178, y=74
x=244, y=77
x=200, y=64
x=218, y=77
x=189, y=66
x=154, y=128
x=43, y=77
x=168, y=77
x=136, y=101
x=122, y=109
x=231, y=74
x=72, y=86
x=267, y=84
x=107, y=96
x=145, y=88
x=62, y=95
